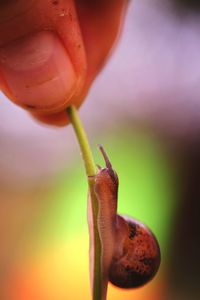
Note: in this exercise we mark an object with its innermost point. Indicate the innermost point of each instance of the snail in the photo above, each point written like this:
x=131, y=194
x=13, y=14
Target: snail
x=130, y=252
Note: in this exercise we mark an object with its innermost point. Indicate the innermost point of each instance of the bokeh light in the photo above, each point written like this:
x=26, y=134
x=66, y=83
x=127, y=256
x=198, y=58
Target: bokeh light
x=50, y=261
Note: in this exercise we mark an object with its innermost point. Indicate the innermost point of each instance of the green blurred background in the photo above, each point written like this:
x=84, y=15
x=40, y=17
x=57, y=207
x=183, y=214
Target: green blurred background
x=45, y=224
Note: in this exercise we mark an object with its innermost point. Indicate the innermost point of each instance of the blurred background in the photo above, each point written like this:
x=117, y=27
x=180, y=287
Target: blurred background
x=144, y=109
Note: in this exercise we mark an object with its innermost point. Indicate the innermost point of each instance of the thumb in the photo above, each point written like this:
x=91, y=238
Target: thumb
x=41, y=69
x=51, y=51
x=38, y=72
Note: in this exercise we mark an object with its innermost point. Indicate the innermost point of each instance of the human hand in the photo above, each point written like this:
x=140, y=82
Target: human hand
x=51, y=51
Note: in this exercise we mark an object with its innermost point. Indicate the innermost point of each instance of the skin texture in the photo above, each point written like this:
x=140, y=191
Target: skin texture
x=51, y=51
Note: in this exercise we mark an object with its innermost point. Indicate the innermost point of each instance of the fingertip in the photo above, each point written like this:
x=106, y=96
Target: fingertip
x=58, y=119
x=37, y=72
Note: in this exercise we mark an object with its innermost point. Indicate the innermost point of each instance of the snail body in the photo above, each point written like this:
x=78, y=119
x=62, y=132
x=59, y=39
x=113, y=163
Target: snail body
x=130, y=252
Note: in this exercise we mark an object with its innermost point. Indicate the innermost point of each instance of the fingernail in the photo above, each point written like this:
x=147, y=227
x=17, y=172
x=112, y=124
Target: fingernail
x=38, y=72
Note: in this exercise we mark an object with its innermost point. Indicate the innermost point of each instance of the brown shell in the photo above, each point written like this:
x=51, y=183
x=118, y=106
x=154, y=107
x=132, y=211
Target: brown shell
x=138, y=260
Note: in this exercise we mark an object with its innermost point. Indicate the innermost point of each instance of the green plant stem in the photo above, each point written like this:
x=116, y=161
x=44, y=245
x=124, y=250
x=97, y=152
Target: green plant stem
x=90, y=172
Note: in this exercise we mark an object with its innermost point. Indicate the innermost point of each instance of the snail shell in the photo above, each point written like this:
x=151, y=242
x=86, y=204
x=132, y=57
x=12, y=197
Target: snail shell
x=136, y=257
